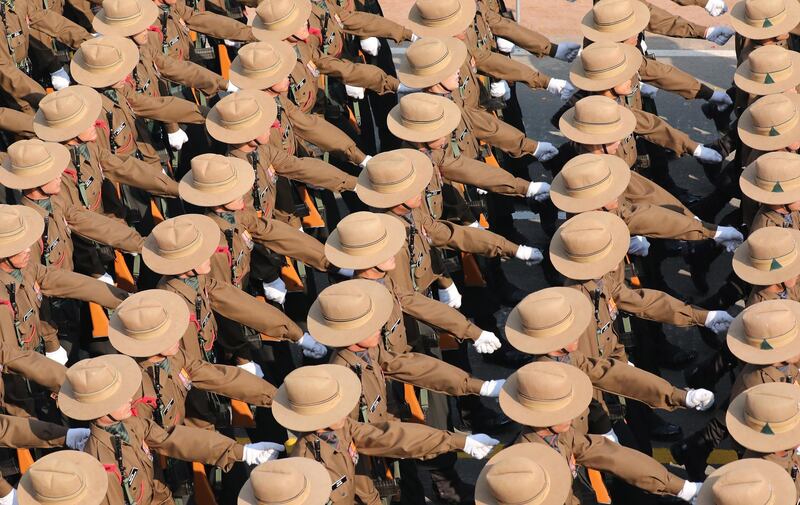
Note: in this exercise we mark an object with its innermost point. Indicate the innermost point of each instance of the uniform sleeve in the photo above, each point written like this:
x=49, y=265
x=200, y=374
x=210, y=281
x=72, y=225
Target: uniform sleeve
x=193, y=444
x=102, y=229
x=22, y=432
x=58, y=27
x=168, y=109
x=138, y=174
x=189, y=74
x=403, y=440
x=285, y=240
x=356, y=74
x=438, y=314
x=466, y=239
x=673, y=79
x=26, y=92
x=466, y=170
x=663, y=22
x=64, y=284
x=659, y=222
x=487, y=127
x=16, y=122
x=230, y=381
x=220, y=27
x=312, y=171
x=429, y=373
x=326, y=136
x=661, y=133
x=685, y=3
x=34, y=367
x=364, y=24
x=502, y=67
x=530, y=40
x=657, y=306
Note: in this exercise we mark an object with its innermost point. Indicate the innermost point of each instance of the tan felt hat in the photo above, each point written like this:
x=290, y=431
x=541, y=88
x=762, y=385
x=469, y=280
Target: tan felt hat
x=764, y=19
x=242, y=116
x=596, y=120
x=97, y=386
x=615, y=20
x=766, y=417
x=260, y=65
x=315, y=397
x=65, y=114
x=603, y=65
x=589, y=181
x=748, y=481
x=431, y=60
x=148, y=323
x=766, y=333
x=524, y=474
x=393, y=177
x=771, y=122
x=548, y=320
x=589, y=245
x=104, y=61
x=545, y=393
x=180, y=244
x=770, y=255
x=423, y=117
x=64, y=478
x=279, y=19
x=441, y=18
x=349, y=312
x=773, y=178
x=125, y=18
x=290, y=481
x=216, y=180
x=768, y=70
x=364, y=239
x=33, y=163
x=20, y=228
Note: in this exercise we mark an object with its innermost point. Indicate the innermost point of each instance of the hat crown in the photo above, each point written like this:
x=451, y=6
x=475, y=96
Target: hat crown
x=608, y=13
x=517, y=480
x=235, y=108
x=543, y=385
x=361, y=230
x=390, y=172
x=175, y=236
x=781, y=244
x=777, y=168
x=100, y=54
x=91, y=377
x=11, y=222
x=418, y=109
x=770, y=407
x=274, y=486
x=758, y=10
x=52, y=481
x=212, y=170
x=141, y=315
x=344, y=306
x=586, y=174
x=742, y=487
x=602, y=57
x=259, y=57
x=28, y=154
x=61, y=106
x=768, y=323
x=769, y=59
x=772, y=112
x=596, y=111
x=311, y=391
x=585, y=239
x=539, y=314
x=121, y=10
x=276, y=11
x=438, y=11
x=427, y=53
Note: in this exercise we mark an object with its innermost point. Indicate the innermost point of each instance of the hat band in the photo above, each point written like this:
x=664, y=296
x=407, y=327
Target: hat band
x=106, y=67
x=771, y=76
x=125, y=20
x=549, y=404
x=617, y=24
x=777, y=129
x=397, y=185
x=367, y=248
x=766, y=22
x=769, y=343
x=150, y=333
x=216, y=186
x=592, y=256
x=34, y=169
x=68, y=119
x=300, y=497
x=777, y=186
x=240, y=123
x=423, y=124
x=182, y=251
x=433, y=67
x=348, y=323
x=592, y=189
x=553, y=329
x=595, y=126
x=775, y=263
x=12, y=235
x=320, y=407
x=271, y=69
x=441, y=20
x=536, y=499
x=772, y=428
x=613, y=70
x=40, y=496
x=103, y=394
x=285, y=19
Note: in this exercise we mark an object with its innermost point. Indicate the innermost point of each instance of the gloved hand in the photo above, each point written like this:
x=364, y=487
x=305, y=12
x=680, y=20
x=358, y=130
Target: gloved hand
x=59, y=79
x=346, y=272
x=476, y=224
x=252, y=367
x=567, y=51
x=59, y=356
x=275, y=291
x=690, y=491
x=106, y=277
x=450, y=296
x=364, y=162
x=545, y=151
x=639, y=246
x=647, y=90
x=716, y=7
x=492, y=388
x=529, y=254
x=556, y=86
x=729, y=237
x=487, y=343
x=500, y=89
x=568, y=91
x=77, y=438
x=719, y=34
x=721, y=100
x=177, y=139
x=481, y=191
x=402, y=89
x=10, y=498
x=232, y=43
x=707, y=155
x=356, y=92
x=539, y=191
x=414, y=37
x=311, y=348
x=479, y=445
x=370, y=45
x=718, y=321
x=504, y=46
x=261, y=452
x=699, y=399
x=611, y=435
x=231, y=88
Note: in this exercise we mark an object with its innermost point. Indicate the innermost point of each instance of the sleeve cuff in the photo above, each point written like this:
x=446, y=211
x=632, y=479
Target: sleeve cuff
x=705, y=92
x=238, y=451
x=700, y=315
x=474, y=385
x=459, y=440
x=553, y=49
x=473, y=332
x=678, y=397
x=350, y=183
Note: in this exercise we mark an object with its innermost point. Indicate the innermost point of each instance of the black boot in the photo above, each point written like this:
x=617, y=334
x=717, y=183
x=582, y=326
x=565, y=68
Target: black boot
x=693, y=453
x=708, y=372
x=728, y=294
x=450, y=489
x=700, y=256
x=721, y=118
x=662, y=430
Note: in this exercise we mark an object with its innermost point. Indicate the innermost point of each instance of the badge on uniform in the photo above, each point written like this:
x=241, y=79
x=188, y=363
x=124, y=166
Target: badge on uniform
x=38, y=291
x=183, y=376
x=248, y=240
x=353, y=452
x=146, y=450
x=339, y=483
x=313, y=69
x=613, y=311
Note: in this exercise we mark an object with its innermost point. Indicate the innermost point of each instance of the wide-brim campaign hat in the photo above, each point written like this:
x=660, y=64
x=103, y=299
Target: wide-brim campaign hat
x=20, y=227
x=524, y=474
x=349, y=312
x=770, y=255
x=64, y=478
x=441, y=18
x=596, y=120
x=615, y=20
x=65, y=114
x=603, y=65
x=749, y=481
x=216, y=180
x=290, y=481
x=364, y=239
x=766, y=333
x=32, y=163
x=180, y=244
x=279, y=19
x=148, y=323
x=430, y=60
x=95, y=387
x=315, y=397
x=768, y=70
x=103, y=61
x=773, y=178
x=588, y=182
x=545, y=393
x=261, y=65
x=766, y=417
x=393, y=177
x=771, y=122
x=764, y=19
x=548, y=320
x=589, y=245
x=125, y=18
x=423, y=117
x=242, y=116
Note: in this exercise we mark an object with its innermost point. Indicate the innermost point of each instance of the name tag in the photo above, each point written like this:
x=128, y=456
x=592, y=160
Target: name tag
x=248, y=239
x=353, y=452
x=613, y=311
x=183, y=376
x=132, y=476
x=313, y=69
x=339, y=483
x=375, y=404
x=27, y=315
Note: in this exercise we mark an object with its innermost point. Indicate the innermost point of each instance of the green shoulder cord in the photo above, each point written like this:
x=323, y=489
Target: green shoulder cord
x=412, y=263
x=11, y=289
x=233, y=259
x=158, y=413
x=46, y=247
x=362, y=403
x=208, y=355
x=125, y=481
x=76, y=161
x=254, y=160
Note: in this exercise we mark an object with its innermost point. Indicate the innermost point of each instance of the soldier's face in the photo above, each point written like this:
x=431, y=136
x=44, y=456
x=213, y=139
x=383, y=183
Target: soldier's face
x=235, y=205
x=561, y=428
x=794, y=206
x=281, y=87
x=172, y=350
x=388, y=265
x=337, y=425
x=604, y=148
x=414, y=202
x=262, y=139
x=140, y=38
x=299, y=34
x=52, y=188
x=612, y=205
x=631, y=41
x=774, y=40
x=122, y=412
x=21, y=260
x=370, y=342
x=790, y=283
x=89, y=134
x=438, y=143
x=794, y=146
x=624, y=89
x=451, y=83
x=204, y=268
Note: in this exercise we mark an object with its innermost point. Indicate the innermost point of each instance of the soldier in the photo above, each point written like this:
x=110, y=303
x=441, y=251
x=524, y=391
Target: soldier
x=300, y=481
x=748, y=479
x=762, y=22
x=61, y=478
x=770, y=181
x=768, y=125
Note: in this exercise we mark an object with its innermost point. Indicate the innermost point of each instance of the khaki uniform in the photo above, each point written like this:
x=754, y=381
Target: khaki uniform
x=789, y=462
x=178, y=70
x=661, y=222
x=673, y=79
x=31, y=365
x=16, y=122
x=662, y=22
x=762, y=293
x=364, y=24
x=768, y=217
x=393, y=333
x=19, y=432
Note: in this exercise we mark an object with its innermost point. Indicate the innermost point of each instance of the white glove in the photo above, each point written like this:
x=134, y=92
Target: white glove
x=356, y=92
x=252, y=367
x=716, y=7
x=504, y=46
x=479, y=446
x=539, y=191
x=699, y=399
x=611, y=435
x=450, y=296
x=106, y=277
x=690, y=491
x=364, y=162
x=718, y=321
x=59, y=79
x=500, y=89
x=707, y=155
x=492, y=388
x=529, y=254
x=487, y=343
x=232, y=88
x=59, y=356
x=371, y=45
x=567, y=51
x=346, y=272
x=311, y=348
x=10, y=498
x=728, y=236
x=719, y=34
x=77, y=438
x=721, y=100
x=177, y=139
x=476, y=224
x=639, y=246
x=556, y=86
x=545, y=151
x=481, y=191
x=414, y=38
x=232, y=43
x=568, y=91
x=275, y=291
x=647, y=90
x=261, y=452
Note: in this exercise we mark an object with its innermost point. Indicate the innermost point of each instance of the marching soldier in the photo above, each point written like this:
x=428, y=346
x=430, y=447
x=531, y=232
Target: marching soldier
x=301, y=480
x=61, y=478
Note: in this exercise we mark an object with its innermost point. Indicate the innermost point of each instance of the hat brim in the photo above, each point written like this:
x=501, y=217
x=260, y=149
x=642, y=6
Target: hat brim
x=781, y=483
x=749, y=186
x=521, y=341
x=577, y=270
x=751, y=439
x=178, y=314
x=131, y=376
x=382, y=305
x=641, y=18
x=581, y=396
x=767, y=142
x=626, y=126
x=94, y=104
x=245, y=176
x=241, y=80
x=423, y=171
x=579, y=77
x=92, y=471
x=109, y=76
x=34, y=227
x=149, y=10
x=287, y=28
x=456, y=26
x=452, y=117
x=209, y=233
x=737, y=338
x=350, y=393
x=620, y=177
x=395, y=238
x=224, y=134
x=752, y=275
x=458, y=55
x=743, y=81
x=737, y=18
x=316, y=475
x=61, y=160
